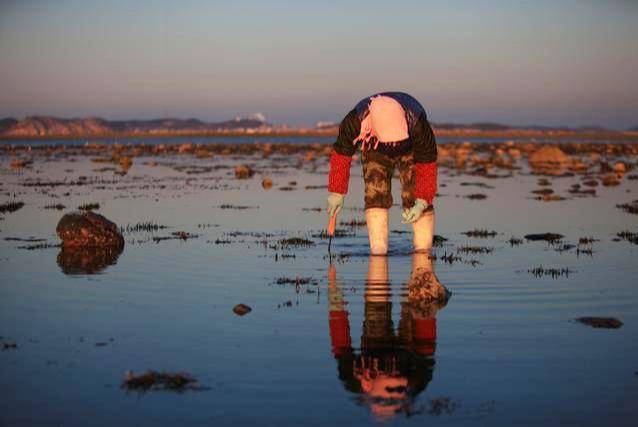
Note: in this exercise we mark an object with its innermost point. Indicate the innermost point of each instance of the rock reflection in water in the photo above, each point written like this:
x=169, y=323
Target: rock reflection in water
x=88, y=260
x=391, y=368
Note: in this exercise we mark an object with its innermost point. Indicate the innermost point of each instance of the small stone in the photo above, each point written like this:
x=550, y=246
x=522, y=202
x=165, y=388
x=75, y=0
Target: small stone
x=242, y=309
x=243, y=172
x=620, y=167
x=266, y=183
x=20, y=163
x=126, y=162
x=610, y=180
x=187, y=147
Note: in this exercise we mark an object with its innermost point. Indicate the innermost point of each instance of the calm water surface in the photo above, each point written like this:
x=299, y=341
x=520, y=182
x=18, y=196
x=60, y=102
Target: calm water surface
x=503, y=351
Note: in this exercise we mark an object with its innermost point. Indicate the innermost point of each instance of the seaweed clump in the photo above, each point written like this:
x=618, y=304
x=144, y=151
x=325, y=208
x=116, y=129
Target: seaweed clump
x=153, y=380
x=600, y=322
x=11, y=207
x=475, y=249
x=295, y=242
x=554, y=273
x=631, y=208
x=628, y=236
x=481, y=233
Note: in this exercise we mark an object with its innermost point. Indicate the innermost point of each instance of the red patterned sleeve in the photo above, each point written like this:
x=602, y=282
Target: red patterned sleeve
x=340, y=332
x=339, y=173
x=426, y=181
x=425, y=335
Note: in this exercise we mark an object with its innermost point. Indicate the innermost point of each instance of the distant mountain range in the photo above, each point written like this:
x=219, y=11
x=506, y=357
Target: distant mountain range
x=52, y=126
x=46, y=126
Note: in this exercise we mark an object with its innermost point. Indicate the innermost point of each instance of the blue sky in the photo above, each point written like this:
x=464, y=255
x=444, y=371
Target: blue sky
x=517, y=62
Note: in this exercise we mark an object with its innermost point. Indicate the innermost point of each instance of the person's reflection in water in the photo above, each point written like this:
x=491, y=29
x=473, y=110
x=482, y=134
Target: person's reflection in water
x=87, y=260
x=390, y=369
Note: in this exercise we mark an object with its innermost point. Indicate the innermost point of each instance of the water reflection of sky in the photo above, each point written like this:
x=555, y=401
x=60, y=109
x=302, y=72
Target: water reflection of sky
x=505, y=346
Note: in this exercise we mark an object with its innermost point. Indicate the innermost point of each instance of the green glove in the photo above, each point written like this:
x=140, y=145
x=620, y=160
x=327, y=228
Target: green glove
x=414, y=213
x=335, y=203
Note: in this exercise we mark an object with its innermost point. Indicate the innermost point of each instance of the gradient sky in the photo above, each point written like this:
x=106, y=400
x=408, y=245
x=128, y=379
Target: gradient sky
x=516, y=62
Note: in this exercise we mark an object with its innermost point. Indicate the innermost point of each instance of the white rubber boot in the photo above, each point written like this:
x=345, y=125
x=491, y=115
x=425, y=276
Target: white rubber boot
x=377, y=222
x=423, y=232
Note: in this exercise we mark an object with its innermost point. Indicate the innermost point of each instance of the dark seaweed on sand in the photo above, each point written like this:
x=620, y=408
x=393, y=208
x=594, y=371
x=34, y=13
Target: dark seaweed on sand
x=476, y=196
x=631, y=208
x=628, y=236
x=295, y=242
x=553, y=272
x=481, y=233
x=474, y=249
x=11, y=207
x=89, y=207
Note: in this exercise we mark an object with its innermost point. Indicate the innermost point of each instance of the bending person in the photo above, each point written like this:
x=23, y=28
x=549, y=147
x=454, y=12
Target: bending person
x=392, y=131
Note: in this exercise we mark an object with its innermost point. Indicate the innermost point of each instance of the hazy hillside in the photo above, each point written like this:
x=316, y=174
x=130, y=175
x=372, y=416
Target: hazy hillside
x=53, y=126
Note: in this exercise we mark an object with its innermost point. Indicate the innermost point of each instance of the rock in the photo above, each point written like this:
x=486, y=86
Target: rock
x=266, y=183
x=20, y=163
x=126, y=163
x=87, y=229
x=549, y=160
x=202, y=153
x=610, y=180
x=620, y=167
x=243, y=172
x=591, y=183
x=242, y=309
x=515, y=153
x=549, y=155
x=310, y=156
x=186, y=147
x=550, y=198
x=600, y=322
x=549, y=237
x=579, y=166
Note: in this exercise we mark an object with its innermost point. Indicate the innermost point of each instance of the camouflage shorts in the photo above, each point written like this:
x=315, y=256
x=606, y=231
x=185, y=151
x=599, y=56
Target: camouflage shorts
x=378, y=170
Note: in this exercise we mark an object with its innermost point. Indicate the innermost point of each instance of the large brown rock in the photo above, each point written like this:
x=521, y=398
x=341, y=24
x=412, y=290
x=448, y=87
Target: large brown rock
x=549, y=155
x=88, y=229
x=549, y=160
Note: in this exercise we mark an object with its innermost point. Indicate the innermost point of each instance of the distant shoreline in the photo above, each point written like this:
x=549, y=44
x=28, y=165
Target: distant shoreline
x=447, y=133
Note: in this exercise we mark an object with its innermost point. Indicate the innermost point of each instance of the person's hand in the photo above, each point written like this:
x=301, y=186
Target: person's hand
x=413, y=214
x=335, y=203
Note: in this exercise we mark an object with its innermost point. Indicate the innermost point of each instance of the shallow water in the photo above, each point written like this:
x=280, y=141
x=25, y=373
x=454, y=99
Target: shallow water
x=505, y=350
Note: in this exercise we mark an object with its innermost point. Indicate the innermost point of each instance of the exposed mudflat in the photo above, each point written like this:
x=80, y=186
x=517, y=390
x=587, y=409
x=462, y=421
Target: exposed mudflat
x=225, y=287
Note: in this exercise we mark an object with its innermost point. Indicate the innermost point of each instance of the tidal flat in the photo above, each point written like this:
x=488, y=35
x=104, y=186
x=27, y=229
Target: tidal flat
x=224, y=307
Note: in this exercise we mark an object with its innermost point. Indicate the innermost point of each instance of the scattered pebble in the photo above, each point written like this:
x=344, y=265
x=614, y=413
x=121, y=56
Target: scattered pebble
x=266, y=183
x=244, y=172
x=242, y=309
